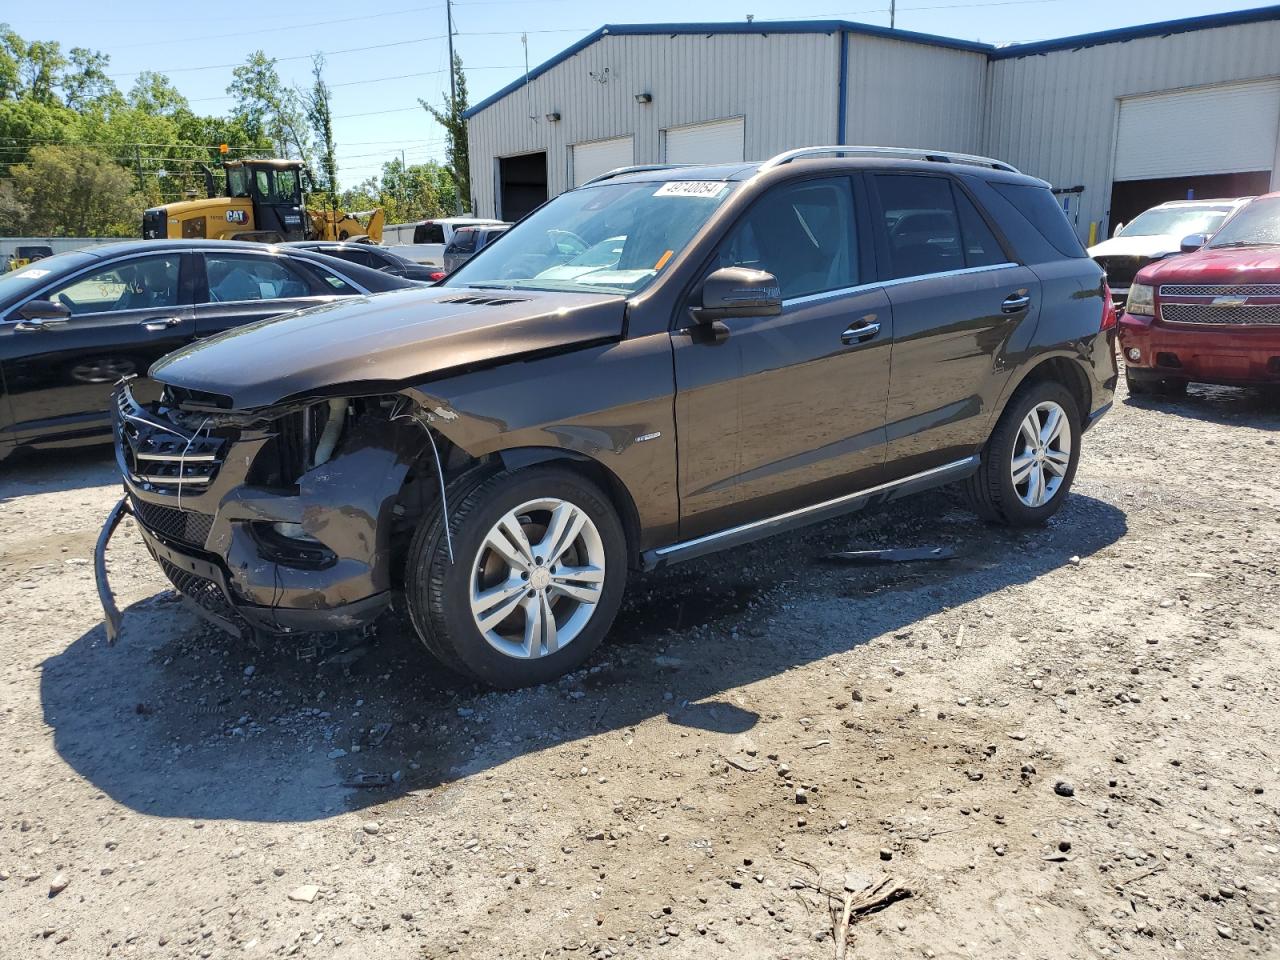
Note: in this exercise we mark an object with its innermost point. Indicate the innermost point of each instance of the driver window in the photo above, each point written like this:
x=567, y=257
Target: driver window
x=144, y=283
x=802, y=233
x=264, y=184
x=286, y=186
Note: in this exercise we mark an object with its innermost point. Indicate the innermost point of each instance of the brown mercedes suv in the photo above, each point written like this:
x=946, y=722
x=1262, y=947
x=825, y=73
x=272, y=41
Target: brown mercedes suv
x=664, y=362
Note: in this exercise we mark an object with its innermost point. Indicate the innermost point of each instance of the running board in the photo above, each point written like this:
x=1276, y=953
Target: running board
x=849, y=503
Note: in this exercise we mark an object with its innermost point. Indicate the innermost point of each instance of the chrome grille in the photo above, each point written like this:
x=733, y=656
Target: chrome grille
x=1261, y=314
x=161, y=455
x=1220, y=290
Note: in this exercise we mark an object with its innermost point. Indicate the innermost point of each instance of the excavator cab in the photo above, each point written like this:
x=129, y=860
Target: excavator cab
x=274, y=187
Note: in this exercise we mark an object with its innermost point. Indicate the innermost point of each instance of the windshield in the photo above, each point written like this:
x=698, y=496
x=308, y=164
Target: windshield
x=651, y=222
x=18, y=283
x=1256, y=225
x=1175, y=222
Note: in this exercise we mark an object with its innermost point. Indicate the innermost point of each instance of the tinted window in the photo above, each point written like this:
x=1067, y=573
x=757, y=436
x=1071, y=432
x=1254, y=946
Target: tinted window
x=981, y=248
x=464, y=241
x=1038, y=207
x=143, y=283
x=922, y=225
x=234, y=278
x=803, y=234
x=332, y=281
x=428, y=233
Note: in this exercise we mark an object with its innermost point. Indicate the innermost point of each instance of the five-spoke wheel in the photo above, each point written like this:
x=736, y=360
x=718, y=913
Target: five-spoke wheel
x=1041, y=454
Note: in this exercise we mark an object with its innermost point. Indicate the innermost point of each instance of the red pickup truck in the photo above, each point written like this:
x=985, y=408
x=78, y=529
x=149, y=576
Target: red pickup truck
x=1211, y=315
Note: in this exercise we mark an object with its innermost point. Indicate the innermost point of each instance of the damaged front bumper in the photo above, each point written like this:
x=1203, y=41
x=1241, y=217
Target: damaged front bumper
x=209, y=521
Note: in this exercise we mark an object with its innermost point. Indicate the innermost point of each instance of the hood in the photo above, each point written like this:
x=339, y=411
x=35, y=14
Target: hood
x=386, y=340
x=1231, y=265
x=1160, y=245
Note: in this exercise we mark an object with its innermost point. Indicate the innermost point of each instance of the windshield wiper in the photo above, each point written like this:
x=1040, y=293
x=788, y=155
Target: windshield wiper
x=1244, y=243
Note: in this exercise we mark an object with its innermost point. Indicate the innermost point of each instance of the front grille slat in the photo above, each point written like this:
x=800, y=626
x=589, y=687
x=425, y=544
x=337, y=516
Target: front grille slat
x=1262, y=314
x=1220, y=290
x=207, y=595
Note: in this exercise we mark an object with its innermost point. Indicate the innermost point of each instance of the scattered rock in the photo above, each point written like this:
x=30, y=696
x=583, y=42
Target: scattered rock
x=305, y=893
x=58, y=884
x=372, y=828
x=1064, y=788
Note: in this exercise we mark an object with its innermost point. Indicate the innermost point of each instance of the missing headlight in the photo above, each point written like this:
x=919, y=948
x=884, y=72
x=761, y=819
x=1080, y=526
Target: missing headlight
x=290, y=545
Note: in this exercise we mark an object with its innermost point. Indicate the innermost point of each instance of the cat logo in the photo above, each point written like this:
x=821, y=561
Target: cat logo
x=237, y=216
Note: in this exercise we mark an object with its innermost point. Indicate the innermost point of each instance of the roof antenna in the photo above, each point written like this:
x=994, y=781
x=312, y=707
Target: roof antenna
x=751, y=18
x=524, y=39
x=893, y=12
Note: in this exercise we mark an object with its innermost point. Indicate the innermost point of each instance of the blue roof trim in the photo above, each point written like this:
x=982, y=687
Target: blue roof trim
x=1165, y=28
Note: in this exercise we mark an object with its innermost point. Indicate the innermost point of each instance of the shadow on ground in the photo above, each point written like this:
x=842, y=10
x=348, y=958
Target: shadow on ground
x=181, y=721
x=1230, y=406
x=29, y=472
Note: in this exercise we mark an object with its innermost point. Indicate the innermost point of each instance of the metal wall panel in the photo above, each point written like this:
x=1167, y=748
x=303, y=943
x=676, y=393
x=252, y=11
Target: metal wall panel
x=911, y=95
x=784, y=85
x=1055, y=115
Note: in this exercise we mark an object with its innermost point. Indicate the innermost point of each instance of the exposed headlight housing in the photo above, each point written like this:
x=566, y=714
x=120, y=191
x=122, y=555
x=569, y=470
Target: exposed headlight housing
x=1141, y=300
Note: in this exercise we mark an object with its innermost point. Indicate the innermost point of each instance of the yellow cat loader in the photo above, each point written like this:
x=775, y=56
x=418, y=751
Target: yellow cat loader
x=262, y=201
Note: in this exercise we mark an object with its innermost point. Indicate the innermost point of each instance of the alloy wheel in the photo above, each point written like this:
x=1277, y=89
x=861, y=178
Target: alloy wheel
x=1041, y=454
x=537, y=578
x=103, y=370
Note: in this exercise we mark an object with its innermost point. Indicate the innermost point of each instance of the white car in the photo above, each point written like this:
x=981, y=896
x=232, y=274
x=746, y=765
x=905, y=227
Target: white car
x=1155, y=234
x=424, y=242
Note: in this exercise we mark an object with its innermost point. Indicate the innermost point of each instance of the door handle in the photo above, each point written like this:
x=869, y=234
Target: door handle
x=1016, y=301
x=862, y=331
x=38, y=326
x=156, y=326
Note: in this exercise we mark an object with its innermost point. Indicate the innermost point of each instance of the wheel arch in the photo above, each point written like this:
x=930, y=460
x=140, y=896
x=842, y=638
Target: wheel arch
x=519, y=458
x=1063, y=368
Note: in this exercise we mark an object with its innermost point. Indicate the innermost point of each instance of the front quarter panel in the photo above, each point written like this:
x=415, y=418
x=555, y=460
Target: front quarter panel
x=612, y=404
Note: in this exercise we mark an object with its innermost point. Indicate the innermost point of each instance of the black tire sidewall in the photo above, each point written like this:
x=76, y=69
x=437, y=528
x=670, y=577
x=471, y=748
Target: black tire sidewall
x=451, y=607
x=1000, y=451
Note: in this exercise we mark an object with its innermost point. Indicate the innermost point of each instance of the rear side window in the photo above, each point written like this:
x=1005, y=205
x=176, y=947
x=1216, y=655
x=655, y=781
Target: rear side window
x=235, y=277
x=428, y=233
x=922, y=225
x=981, y=248
x=1041, y=210
x=464, y=241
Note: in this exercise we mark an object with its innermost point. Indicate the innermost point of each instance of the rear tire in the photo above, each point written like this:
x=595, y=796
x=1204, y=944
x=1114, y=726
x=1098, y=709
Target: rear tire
x=1030, y=459
x=538, y=571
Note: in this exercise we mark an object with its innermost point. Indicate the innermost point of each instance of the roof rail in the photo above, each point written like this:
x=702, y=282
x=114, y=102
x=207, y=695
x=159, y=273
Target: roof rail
x=635, y=168
x=908, y=153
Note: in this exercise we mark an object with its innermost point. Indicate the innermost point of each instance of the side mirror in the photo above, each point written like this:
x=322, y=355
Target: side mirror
x=1119, y=227
x=738, y=292
x=1193, y=242
x=44, y=310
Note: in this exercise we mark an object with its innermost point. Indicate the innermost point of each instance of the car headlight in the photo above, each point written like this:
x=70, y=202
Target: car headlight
x=1141, y=300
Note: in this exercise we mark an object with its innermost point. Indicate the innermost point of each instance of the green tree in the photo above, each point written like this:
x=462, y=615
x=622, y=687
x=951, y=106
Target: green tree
x=154, y=93
x=74, y=191
x=450, y=116
x=416, y=192
x=318, y=102
x=86, y=78
x=267, y=108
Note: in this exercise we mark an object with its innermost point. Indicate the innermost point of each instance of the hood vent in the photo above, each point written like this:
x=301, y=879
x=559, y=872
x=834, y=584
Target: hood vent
x=477, y=300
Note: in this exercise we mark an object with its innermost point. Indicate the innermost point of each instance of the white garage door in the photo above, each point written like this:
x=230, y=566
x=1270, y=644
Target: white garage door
x=601, y=156
x=721, y=141
x=1226, y=129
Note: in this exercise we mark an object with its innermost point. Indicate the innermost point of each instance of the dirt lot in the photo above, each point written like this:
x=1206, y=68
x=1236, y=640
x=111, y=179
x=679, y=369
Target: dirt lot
x=762, y=724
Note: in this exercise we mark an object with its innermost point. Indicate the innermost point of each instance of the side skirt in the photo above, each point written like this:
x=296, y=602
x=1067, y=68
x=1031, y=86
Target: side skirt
x=849, y=503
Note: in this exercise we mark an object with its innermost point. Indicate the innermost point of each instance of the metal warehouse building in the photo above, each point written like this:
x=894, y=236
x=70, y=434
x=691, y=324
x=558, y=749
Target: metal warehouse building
x=1117, y=121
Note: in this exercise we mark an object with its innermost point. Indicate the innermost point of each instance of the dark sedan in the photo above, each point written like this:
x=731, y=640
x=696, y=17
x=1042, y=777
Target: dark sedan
x=373, y=257
x=74, y=324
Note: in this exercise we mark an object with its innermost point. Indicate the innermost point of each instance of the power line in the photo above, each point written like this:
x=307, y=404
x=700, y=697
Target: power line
x=401, y=76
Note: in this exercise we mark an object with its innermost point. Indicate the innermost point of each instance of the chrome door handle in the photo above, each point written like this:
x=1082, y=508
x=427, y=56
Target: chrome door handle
x=1015, y=302
x=862, y=331
x=38, y=326
x=156, y=326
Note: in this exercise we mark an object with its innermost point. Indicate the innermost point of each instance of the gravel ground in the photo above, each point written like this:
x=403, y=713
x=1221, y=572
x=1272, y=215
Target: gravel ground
x=1063, y=743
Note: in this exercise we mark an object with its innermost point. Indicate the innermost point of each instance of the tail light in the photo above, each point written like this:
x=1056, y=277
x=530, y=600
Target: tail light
x=1108, y=308
x=437, y=276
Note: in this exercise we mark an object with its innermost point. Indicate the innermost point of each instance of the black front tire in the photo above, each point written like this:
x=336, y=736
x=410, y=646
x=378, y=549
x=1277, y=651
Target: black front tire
x=438, y=591
x=991, y=491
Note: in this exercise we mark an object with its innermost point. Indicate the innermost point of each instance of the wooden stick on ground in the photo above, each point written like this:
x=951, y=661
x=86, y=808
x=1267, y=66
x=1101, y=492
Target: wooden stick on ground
x=842, y=928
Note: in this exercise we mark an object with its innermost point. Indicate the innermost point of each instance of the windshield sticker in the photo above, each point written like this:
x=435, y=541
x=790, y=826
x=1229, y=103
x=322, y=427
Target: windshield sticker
x=35, y=274
x=662, y=260
x=691, y=188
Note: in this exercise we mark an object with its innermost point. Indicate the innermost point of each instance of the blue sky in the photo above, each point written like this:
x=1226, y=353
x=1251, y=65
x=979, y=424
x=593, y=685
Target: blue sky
x=376, y=90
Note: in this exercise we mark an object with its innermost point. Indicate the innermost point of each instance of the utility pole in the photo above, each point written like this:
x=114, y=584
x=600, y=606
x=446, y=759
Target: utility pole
x=137, y=163
x=893, y=10
x=404, y=196
x=453, y=103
